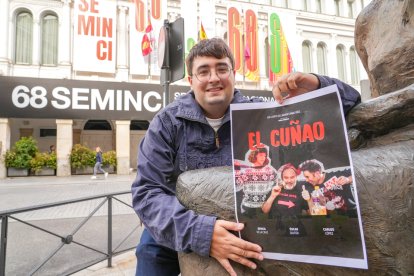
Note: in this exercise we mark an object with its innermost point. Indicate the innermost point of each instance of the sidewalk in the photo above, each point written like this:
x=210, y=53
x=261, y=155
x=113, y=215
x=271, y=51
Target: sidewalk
x=21, y=192
x=122, y=265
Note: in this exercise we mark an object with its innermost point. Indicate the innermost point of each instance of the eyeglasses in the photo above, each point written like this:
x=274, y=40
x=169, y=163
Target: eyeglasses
x=204, y=74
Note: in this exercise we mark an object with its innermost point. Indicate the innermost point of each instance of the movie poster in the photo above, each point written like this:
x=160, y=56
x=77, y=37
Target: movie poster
x=294, y=182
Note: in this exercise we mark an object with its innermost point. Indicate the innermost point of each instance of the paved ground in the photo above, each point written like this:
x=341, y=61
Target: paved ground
x=22, y=192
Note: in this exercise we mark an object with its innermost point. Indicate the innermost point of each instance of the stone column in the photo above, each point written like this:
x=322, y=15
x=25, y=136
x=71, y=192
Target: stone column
x=4, y=30
x=63, y=146
x=122, y=46
x=311, y=5
x=329, y=7
x=122, y=146
x=343, y=8
x=348, y=66
x=36, y=42
x=331, y=57
x=300, y=39
x=64, y=34
x=4, y=144
x=314, y=55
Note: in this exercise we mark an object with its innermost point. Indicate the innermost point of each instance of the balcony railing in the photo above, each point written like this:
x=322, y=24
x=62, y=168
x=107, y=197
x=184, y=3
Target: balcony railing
x=43, y=240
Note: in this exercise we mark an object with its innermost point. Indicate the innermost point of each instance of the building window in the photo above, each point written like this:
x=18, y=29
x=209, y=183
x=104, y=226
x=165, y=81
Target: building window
x=47, y=132
x=139, y=125
x=318, y=6
x=307, y=56
x=321, y=57
x=340, y=59
x=97, y=125
x=337, y=8
x=354, y=66
x=351, y=9
x=50, y=27
x=24, y=38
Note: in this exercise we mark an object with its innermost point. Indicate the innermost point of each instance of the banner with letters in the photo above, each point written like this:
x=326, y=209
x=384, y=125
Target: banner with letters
x=78, y=99
x=94, y=36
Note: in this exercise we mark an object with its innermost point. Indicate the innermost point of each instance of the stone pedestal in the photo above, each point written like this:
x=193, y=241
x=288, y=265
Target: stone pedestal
x=4, y=144
x=122, y=146
x=64, y=141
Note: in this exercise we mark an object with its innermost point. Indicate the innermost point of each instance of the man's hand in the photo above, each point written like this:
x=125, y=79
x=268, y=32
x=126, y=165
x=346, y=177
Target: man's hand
x=294, y=84
x=305, y=193
x=343, y=180
x=225, y=246
x=275, y=191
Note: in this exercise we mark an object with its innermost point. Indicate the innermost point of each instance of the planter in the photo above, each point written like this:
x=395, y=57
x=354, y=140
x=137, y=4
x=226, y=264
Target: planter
x=86, y=170
x=13, y=172
x=109, y=169
x=89, y=170
x=45, y=171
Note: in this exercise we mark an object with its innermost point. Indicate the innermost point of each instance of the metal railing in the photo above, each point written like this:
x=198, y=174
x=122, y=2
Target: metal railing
x=5, y=216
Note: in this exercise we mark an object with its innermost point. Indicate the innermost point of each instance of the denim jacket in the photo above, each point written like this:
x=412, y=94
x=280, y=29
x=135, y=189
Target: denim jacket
x=179, y=139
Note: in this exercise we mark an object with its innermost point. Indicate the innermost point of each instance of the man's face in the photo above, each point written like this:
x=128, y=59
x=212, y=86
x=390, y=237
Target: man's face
x=215, y=93
x=313, y=178
x=289, y=178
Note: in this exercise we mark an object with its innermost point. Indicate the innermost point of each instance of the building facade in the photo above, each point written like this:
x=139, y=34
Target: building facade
x=77, y=71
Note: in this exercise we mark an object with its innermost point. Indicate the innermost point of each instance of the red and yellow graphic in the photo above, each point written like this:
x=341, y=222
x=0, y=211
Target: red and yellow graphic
x=243, y=42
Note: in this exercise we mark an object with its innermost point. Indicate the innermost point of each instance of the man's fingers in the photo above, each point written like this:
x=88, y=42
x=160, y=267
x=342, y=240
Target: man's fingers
x=229, y=225
x=291, y=81
x=247, y=246
x=285, y=83
x=248, y=254
x=242, y=260
x=227, y=266
x=277, y=94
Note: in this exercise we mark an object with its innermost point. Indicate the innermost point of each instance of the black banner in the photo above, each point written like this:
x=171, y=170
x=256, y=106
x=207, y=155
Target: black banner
x=78, y=99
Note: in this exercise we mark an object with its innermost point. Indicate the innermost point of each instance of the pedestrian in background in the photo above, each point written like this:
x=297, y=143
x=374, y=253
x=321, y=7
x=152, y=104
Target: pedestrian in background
x=98, y=164
x=52, y=149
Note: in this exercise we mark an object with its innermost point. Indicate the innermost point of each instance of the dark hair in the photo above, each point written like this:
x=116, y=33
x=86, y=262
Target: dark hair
x=253, y=155
x=214, y=47
x=311, y=166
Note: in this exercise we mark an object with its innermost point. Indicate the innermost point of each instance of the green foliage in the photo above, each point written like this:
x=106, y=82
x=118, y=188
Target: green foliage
x=21, y=153
x=81, y=157
x=109, y=158
x=42, y=160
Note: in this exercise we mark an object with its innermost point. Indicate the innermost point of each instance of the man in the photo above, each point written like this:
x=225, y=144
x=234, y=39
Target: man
x=285, y=203
x=194, y=132
x=334, y=187
x=288, y=194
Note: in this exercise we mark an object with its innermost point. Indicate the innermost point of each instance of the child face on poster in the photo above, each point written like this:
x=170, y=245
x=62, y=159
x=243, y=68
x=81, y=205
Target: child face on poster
x=261, y=158
x=258, y=157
